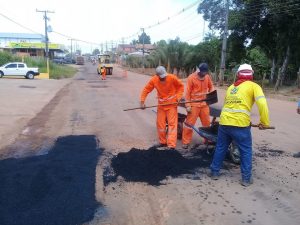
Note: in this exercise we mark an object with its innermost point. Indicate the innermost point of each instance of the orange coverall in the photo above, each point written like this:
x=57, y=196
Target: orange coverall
x=195, y=90
x=103, y=73
x=168, y=91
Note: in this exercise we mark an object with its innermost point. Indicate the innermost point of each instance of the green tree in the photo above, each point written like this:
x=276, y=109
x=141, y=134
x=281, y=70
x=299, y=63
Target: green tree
x=96, y=51
x=144, y=38
x=271, y=25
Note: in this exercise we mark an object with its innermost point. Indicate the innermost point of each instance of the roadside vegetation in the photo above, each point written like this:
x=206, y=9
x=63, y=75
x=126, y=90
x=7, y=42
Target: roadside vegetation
x=263, y=33
x=56, y=71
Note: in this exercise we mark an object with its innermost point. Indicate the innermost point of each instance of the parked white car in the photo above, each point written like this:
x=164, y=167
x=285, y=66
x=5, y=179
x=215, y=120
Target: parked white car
x=18, y=69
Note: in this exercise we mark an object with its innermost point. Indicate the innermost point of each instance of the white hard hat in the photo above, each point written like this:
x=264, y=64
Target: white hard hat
x=161, y=71
x=244, y=67
x=245, y=70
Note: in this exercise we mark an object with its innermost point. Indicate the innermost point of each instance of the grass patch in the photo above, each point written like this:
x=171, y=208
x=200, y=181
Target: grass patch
x=62, y=71
x=56, y=71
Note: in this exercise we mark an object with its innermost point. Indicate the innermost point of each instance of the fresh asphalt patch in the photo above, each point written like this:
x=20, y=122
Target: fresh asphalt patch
x=57, y=188
x=153, y=166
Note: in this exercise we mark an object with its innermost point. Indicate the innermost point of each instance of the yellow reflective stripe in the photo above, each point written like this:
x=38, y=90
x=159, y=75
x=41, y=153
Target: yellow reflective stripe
x=166, y=99
x=161, y=130
x=236, y=111
x=259, y=97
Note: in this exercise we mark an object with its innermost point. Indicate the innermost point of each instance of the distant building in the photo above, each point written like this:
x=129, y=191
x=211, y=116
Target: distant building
x=125, y=49
x=128, y=48
x=148, y=48
x=27, y=44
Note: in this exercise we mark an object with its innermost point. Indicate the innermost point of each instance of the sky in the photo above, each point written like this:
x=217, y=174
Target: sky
x=96, y=22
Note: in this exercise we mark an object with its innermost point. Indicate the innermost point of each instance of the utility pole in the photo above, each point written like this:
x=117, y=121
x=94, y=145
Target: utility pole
x=46, y=35
x=71, y=39
x=143, y=49
x=224, y=46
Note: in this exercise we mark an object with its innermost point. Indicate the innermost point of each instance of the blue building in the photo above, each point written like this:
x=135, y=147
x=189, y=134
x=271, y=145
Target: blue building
x=27, y=44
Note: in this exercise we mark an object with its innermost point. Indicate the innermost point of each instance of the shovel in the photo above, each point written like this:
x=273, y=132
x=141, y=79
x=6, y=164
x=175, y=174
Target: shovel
x=211, y=98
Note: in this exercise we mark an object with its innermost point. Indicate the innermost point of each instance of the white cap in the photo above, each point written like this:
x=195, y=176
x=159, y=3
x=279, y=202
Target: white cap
x=161, y=71
x=245, y=70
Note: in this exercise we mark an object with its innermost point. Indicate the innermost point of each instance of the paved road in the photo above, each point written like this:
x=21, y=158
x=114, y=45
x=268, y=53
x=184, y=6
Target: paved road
x=71, y=155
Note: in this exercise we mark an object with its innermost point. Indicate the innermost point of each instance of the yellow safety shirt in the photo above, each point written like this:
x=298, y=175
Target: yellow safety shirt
x=238, y=104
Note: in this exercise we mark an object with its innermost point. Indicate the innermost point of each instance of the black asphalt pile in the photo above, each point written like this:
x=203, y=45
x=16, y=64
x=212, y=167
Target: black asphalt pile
x=58, y=188
x=152, y=165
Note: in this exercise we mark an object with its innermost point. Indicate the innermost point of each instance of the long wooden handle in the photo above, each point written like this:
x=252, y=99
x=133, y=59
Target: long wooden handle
x=174, y=103
x=264, y=128
x=211, y=98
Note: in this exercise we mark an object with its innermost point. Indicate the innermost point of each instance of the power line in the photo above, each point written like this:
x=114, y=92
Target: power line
x=191, y=37
x=170, y=17
x=69, y=37
x=123, y=38
x=26, y=28
x=159, y=23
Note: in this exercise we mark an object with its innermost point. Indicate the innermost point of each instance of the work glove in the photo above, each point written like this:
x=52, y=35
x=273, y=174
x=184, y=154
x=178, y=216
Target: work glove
x=189, y=109
x=180, y=102
x=261, y=126
x=142, y=105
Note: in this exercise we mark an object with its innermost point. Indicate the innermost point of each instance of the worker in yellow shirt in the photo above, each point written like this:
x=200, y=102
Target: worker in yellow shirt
x=235, y=122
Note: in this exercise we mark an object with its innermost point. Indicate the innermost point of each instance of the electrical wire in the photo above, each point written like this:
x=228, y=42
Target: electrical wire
x=26, y=28
x=126, y=37
x=170, y=17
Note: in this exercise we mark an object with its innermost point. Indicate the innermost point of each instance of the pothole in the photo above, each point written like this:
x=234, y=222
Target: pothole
x=26, y=86
x=94, y=81
x=98, y=86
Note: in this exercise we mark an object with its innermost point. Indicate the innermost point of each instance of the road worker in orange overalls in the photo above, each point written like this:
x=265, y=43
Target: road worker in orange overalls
x=199, y=84
x=103, y=73
x=169, y=90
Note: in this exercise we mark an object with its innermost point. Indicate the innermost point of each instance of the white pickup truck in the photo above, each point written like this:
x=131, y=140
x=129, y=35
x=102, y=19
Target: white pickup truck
x=18, y=69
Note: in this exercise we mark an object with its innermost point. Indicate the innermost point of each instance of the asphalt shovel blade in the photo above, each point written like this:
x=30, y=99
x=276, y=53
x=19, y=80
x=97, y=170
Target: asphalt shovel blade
x=212, y=97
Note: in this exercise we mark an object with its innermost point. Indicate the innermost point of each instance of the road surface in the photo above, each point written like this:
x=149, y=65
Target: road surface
x=71, y=155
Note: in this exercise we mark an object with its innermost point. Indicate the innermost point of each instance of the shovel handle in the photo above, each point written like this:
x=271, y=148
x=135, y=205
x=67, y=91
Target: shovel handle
x=174, y=103
x=264, y=128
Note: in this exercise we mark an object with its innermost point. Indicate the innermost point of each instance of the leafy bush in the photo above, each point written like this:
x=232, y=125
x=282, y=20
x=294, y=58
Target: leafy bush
x=61, y=71
x=6, y=57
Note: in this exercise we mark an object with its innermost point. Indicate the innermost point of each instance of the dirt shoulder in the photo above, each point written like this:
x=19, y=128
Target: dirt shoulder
x=21, y=100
